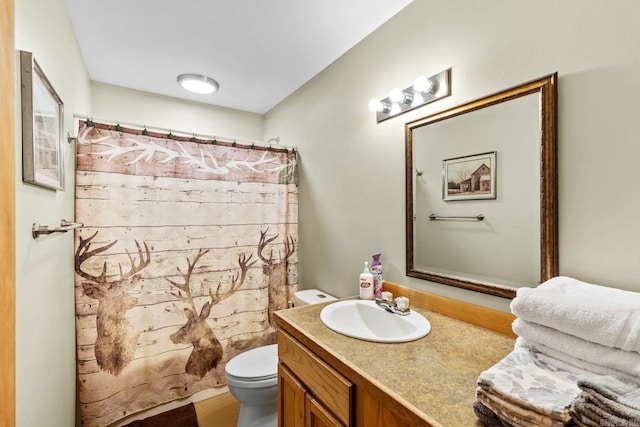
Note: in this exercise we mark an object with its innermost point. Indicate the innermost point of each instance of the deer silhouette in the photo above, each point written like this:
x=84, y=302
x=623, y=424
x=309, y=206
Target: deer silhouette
x=117, y=338
x=276, y=271
x=207, y=350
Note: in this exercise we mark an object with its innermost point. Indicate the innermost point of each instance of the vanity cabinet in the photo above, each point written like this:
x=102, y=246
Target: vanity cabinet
x=327, y=380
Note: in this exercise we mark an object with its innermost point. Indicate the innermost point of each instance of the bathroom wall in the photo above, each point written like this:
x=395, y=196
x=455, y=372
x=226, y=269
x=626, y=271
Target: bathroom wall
x=45, y=321
x=352, y=169
x=117, y=103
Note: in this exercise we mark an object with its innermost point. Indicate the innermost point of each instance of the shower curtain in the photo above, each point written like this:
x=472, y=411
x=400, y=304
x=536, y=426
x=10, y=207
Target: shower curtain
x=187, y=249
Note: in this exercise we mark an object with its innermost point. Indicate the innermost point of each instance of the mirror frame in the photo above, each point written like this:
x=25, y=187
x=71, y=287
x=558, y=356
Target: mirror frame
x=546, y=87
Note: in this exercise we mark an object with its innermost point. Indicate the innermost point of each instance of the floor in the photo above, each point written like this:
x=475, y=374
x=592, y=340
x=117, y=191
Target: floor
x=219, y=411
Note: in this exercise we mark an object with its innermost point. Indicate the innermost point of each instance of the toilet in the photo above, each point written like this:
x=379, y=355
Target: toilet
x=252, y=376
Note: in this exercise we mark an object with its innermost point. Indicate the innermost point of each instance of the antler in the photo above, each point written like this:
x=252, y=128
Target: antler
x=83, y=253
x=289, y=248
x=263, y=244
x=185, y=287
x=136, y=268
x=244, y=263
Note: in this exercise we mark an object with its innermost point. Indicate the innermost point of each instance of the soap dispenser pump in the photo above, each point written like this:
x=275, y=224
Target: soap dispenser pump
x=366, y=283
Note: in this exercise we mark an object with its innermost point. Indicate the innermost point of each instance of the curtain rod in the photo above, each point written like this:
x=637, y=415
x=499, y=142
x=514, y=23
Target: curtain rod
x=269, y=143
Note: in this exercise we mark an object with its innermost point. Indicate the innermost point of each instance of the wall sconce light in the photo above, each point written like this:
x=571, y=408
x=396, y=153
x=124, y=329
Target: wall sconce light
x=423, y=91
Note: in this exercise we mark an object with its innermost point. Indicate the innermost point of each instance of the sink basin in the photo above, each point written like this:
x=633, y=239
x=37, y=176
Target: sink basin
x=365, y=320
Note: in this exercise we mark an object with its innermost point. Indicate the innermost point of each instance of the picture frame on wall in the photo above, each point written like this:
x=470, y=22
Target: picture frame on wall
x=469, y=177
x=42, y=127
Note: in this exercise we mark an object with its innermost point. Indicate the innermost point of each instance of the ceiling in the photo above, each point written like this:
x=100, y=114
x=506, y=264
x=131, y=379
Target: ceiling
x=260, y=51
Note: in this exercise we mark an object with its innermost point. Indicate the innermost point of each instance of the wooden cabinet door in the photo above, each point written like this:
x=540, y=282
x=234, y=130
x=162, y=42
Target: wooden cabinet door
x=328, y=386
x=318, y=415
x=291, y=399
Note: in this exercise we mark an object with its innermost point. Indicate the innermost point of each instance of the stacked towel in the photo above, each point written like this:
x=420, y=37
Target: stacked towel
x=581, y=353
x=605, y=316
x=573, y=332
x=525, y=390
x=607, y=401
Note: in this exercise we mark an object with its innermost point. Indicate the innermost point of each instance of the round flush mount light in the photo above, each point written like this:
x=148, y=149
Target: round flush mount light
x=198, y=83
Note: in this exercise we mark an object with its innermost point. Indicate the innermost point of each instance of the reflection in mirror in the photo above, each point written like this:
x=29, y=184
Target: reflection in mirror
x=481, y=193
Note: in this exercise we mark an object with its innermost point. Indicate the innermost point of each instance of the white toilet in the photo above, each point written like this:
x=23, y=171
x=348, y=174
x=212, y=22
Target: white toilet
x=253, y=375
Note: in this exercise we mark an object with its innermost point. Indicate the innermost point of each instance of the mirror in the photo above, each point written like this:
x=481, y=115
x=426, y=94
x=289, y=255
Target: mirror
x=481, y=191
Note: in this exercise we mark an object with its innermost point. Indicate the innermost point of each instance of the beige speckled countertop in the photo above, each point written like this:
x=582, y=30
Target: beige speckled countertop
x=435, y=375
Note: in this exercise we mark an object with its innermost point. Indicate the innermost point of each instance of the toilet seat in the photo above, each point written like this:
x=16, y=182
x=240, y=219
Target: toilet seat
x=259, y=365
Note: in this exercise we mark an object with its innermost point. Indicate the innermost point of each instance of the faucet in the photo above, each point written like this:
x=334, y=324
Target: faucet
x=392, y=307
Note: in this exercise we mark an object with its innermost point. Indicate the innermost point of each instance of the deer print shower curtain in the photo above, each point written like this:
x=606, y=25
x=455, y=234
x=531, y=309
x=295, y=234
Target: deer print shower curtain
x=187, y=249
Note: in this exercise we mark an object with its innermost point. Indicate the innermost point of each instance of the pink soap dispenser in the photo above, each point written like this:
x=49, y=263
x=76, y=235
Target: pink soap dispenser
x=376, y=271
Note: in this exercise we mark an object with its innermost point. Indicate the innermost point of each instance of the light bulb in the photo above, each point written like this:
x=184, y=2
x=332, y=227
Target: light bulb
x=379, y=106
x=396, y=95
x=423, y=84
x=375, y=105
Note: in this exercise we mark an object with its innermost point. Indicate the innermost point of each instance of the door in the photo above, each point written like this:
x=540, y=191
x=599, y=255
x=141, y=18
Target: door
x=318, y=415
x=7, y=215
x=291, y=396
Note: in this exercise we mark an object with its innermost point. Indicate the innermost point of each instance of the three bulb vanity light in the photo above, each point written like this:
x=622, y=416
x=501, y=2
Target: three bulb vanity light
x=423, y=91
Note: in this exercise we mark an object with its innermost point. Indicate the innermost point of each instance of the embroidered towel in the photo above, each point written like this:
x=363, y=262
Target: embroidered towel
x=606, y=316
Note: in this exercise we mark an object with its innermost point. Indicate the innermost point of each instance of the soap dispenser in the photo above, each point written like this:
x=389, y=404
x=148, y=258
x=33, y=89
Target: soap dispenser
x=366, y=283
x=376, y=271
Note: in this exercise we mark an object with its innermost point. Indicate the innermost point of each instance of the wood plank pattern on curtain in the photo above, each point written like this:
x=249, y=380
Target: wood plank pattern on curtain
x=187, y=248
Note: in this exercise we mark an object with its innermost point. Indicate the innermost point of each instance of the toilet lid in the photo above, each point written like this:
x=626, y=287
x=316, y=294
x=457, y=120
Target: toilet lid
x=257, y=364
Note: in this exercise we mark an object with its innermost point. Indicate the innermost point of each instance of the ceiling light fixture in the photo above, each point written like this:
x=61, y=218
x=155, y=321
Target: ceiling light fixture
x=423, y=91
x=198, y=83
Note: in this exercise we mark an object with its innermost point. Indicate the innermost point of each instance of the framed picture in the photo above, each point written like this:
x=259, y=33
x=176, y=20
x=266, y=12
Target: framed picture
x=42, y=125
x=469, y=177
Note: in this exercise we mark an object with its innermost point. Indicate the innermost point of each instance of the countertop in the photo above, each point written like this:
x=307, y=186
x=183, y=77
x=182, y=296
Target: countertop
x=433, y=376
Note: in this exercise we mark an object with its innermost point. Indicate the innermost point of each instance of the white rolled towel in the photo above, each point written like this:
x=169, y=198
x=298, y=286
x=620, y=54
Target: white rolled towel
x=576, y=351
x=606, y=316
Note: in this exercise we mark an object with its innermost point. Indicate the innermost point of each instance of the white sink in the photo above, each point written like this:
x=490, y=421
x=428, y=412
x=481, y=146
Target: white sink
x=365, y=320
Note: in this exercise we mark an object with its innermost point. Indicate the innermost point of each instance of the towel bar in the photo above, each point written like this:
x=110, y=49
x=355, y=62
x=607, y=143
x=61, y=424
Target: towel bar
x=37, y=230
x=434, y=217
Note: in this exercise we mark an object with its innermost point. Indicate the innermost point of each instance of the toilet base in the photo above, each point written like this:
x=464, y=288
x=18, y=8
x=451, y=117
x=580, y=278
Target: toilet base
x=258, y=416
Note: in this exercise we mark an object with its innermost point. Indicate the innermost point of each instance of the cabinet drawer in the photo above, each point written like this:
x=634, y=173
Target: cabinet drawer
x=329, y=387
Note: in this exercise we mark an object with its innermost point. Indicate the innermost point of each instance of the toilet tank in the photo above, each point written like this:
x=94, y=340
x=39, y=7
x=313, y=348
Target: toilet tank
x=311, y=296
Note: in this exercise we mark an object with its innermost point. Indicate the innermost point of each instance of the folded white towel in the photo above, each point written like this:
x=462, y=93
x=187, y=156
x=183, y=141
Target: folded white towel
x=576, y=351
x=564, y=360
x=606, y=316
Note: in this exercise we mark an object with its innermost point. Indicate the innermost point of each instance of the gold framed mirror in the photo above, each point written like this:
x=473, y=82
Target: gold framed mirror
x=481, y=191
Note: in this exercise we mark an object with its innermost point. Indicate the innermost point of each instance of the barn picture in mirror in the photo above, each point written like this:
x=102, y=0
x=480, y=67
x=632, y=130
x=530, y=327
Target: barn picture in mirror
x=481, y=191
x=469, y=177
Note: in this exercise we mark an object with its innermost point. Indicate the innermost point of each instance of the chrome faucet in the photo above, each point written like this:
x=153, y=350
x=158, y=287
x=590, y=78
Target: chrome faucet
x=392, y=307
